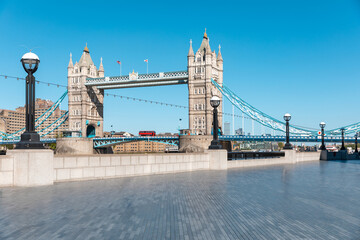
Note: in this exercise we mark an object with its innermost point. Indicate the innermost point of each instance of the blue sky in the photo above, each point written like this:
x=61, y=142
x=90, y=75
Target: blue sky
x=283, y=56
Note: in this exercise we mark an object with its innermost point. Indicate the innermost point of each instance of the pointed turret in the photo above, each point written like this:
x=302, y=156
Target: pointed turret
x=219, y=57
x=85, y=60
x=101, y=68
x=191, y=51
x=205, y=46
x=70, y=62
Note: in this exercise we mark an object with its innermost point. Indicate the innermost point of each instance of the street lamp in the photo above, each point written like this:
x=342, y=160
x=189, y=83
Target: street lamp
x=342, y=139
x=30, y=139
x=322, y=126
x=356, y=143
x=215, y=144
x=287, y=118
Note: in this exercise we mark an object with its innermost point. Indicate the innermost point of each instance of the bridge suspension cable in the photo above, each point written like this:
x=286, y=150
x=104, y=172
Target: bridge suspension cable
x=258, y=115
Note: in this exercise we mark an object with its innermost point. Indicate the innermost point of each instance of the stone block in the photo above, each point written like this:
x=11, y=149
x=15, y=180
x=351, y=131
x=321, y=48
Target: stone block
x=58, y=162
x=89, y=172
x=155, y=168
x=69, y=162
x=130, y=170
x=183, y=166
x=179, y=158
x=104, y=161
x=94, y=161
x=172, y=159
x=166, y=159
x=134, y=160
x=143, y=160
x=120, y=170
x=7, y=164
x=159, y=159
x=6, y=179
x=76, y=173
x=125, y=160
x=110, y=171
x=139, y=169
x=151, y=158
x=162, y=167
x=147, y=169
x=176, y=167
x=217, y=159
x=100, y=172
x=82, y=162
x=170, y=167
x=115, y=161
x=63, y=174
x=33, y=167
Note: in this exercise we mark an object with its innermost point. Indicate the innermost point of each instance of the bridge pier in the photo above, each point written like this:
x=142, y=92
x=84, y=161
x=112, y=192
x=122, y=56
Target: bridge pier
x=74, y=145
x=194, y=143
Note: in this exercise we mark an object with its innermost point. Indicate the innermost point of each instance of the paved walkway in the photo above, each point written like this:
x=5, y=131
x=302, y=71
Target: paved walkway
x=305, y=201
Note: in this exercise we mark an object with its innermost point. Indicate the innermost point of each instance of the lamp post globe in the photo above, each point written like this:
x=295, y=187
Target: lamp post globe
x=215, y=143
x=287, y=118
x=215, y=101
x=30, y=62
x=30, y=139
x=322, y=126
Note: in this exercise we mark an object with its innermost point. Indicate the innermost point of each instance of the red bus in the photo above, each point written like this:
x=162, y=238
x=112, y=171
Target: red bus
x=147, y=133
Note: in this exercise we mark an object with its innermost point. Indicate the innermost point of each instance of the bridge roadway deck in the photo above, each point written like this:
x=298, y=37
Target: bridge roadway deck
x=304, y=201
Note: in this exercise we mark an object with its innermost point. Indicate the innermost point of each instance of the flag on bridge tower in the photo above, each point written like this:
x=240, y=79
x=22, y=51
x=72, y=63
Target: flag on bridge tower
x=120, y=66
x=147, y=65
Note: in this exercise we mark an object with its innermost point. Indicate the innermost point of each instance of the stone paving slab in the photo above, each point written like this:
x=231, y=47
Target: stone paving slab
x=302, y=201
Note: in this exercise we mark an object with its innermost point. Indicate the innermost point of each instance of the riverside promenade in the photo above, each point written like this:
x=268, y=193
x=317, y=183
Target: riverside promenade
x=313, y=200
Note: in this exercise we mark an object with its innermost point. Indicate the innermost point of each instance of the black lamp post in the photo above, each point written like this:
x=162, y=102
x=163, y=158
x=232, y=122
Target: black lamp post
x=322, y=126
x=356, y=136
x=215, y=143
x=30, y=139
x=342, y=139
x=287, y=118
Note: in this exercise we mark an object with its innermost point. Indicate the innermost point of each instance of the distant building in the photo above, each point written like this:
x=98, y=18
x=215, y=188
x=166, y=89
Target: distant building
x=14, y=120
x=240, y=132
x=227, y=128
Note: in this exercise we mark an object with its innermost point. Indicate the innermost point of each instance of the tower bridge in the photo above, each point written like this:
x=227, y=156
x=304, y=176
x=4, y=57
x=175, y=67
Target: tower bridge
x=204, y=78
x=86, y=85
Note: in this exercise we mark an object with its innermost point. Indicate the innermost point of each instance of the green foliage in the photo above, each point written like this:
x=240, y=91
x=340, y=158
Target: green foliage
x=280, y=145
x=52, y=146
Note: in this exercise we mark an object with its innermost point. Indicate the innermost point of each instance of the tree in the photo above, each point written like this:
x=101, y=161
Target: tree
x=280, y=145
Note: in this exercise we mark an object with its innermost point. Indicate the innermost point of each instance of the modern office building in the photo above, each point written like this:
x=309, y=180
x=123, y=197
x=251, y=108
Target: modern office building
x=227, y=128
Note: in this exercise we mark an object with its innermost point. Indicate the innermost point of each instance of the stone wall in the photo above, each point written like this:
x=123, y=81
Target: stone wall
x=291, y=157
x=73, y=168
x=41, y=167
x=6, y=171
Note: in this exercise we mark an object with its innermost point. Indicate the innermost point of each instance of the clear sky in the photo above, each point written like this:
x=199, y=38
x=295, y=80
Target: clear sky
x=281, y=56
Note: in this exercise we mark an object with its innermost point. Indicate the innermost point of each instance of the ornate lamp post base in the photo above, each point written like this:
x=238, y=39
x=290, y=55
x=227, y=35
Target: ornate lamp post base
x=30, y=140
x=215, y=144
x=288, y=146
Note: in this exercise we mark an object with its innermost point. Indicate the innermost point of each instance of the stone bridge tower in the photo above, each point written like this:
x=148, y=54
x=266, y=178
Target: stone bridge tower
x=85, y=103
x=203, y=66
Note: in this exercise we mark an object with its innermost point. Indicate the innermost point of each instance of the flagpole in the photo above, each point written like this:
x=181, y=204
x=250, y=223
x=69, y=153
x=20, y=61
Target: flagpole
x=147, y=67
x=120, y=68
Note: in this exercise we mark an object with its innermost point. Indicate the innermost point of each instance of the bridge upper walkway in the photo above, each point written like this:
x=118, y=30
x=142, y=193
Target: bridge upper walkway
x=139, y=80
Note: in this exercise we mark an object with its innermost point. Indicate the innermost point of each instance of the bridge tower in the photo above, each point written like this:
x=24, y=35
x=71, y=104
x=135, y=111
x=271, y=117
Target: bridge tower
x=203, y=66
x=85, y=102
